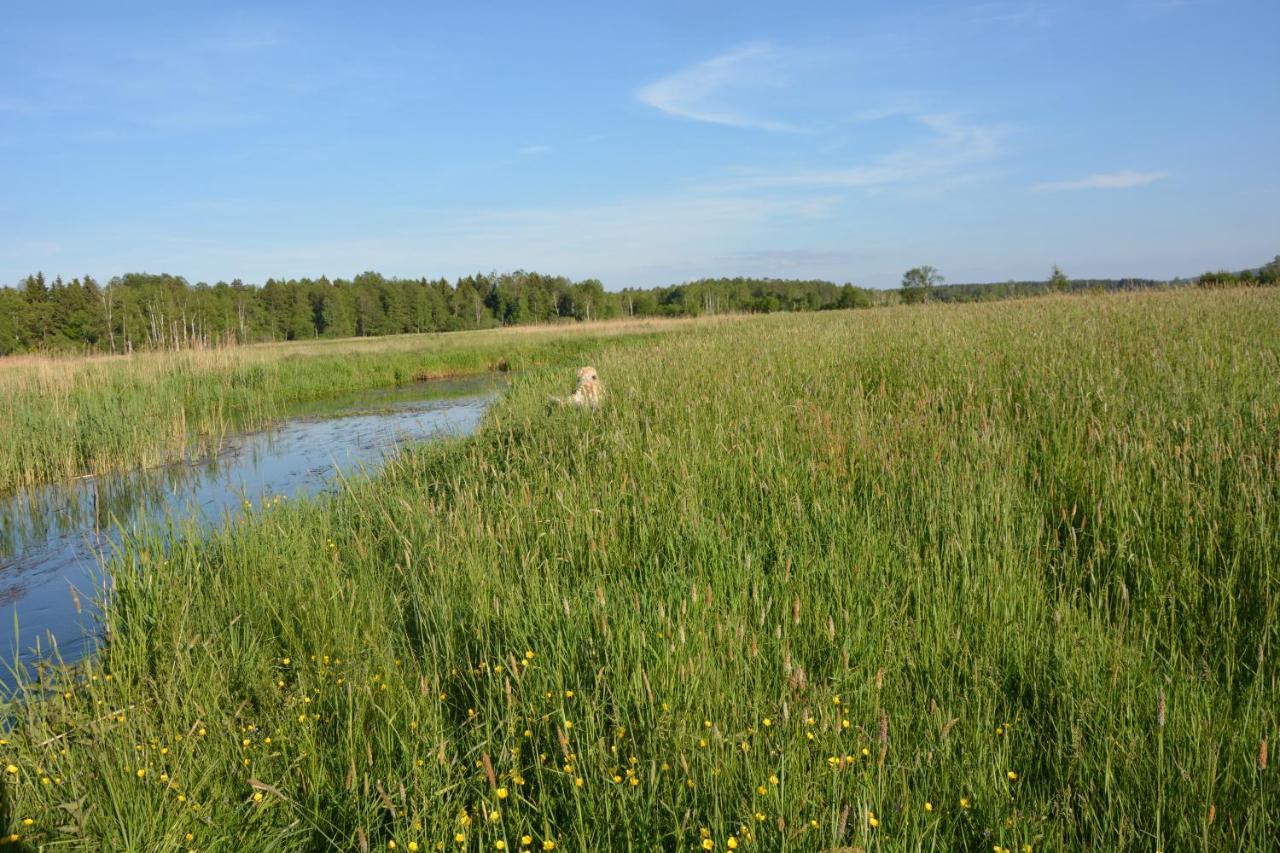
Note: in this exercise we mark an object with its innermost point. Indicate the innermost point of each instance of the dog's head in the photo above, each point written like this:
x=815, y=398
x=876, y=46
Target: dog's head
x=587, y=376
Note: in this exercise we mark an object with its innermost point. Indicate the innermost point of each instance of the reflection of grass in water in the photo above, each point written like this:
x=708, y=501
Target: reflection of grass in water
x=66, y=417
x=947, y=577
x=391, y=400
x=35, y=514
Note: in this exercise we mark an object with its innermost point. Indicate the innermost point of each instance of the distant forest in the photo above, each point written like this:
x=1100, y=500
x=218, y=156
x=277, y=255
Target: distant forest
x=1266, y=275
x=145, y=311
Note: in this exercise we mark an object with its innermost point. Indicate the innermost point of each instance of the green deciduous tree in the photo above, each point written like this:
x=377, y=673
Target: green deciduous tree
x=918, y=284
x=1270, y=272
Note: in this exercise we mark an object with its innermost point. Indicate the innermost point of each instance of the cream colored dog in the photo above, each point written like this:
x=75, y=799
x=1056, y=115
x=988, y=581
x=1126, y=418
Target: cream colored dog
x=589, y=392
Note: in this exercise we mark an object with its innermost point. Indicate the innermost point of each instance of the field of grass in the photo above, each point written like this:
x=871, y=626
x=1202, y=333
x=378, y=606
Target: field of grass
x=65, y=417
x=988, y=577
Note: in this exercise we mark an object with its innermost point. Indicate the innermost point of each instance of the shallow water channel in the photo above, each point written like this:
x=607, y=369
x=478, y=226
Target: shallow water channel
x=54, y=538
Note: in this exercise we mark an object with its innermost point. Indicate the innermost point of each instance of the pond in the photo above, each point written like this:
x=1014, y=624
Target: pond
x=55, y=539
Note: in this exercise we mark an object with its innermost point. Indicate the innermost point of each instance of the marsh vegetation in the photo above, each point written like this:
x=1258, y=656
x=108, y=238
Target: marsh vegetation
x=69, y=416
x=927, y=577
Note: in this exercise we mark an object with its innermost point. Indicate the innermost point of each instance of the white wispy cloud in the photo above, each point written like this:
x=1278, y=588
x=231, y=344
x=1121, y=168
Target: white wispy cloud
x=698, y=92
x=529, y=150
x=731, y=88
x=951, y=144
x=1104, y=181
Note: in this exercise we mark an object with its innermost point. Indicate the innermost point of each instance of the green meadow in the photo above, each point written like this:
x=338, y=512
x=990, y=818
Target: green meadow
x=984, y=577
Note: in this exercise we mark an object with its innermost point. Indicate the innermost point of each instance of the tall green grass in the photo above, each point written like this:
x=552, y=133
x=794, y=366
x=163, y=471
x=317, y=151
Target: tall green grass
x=67, y=417
x=975, y=577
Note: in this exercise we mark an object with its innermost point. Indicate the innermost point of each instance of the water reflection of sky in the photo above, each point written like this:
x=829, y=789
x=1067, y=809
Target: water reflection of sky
x=52, y=537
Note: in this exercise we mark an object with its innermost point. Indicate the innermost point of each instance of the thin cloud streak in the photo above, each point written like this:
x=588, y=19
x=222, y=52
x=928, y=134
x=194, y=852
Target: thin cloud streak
x=953, y=144
x=693, y=92
x=1107, y=181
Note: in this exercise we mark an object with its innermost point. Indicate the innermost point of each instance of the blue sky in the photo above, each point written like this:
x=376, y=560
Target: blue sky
x=643, y=144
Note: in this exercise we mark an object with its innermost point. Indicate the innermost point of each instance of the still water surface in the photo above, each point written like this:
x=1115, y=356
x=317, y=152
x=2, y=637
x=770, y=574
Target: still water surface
x=54, y=538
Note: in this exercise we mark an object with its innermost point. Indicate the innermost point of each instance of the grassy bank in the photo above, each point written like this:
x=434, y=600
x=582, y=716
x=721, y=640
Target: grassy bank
x=65, y=417
x=967, y=577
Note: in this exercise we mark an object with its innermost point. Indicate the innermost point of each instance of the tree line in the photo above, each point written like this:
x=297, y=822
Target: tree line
x=1267, y=275
x=145, y=311
x=921, y=284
